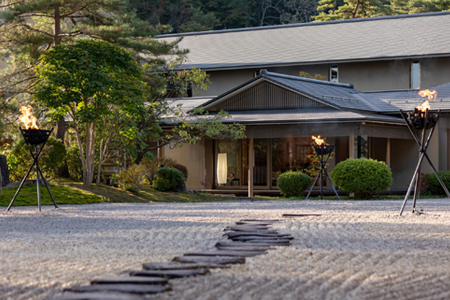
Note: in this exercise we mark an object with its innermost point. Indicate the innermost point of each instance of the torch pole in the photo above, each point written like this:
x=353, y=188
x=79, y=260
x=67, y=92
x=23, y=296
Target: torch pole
x=37, y=181
x=422, y=153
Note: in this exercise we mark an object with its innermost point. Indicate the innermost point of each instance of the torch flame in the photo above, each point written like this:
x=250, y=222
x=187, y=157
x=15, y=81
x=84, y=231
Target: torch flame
x=424, y=106
x=318, y=140
x=428, y=93
x=27, y=118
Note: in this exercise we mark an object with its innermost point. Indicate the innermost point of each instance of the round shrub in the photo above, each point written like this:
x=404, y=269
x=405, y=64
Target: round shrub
x=168, y=179
x=363, y=177
x=183, y=170
x=434, y=187
x=152, y=165
x=293, y=183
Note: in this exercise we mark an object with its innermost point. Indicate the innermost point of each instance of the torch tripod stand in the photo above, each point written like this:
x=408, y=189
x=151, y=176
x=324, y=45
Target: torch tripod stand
x=324, y=155
x=41, y=140
x=428, y=121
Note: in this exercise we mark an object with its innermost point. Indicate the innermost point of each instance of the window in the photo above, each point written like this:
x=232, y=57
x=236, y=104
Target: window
x=334, y=74
x=189, y=90
x=415, y=75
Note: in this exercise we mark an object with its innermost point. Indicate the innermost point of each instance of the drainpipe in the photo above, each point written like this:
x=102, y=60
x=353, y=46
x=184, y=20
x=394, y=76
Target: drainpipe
x=251, y=163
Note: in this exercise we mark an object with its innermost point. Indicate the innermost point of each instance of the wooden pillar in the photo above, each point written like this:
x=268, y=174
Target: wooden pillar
x=251, y=163
x=351, y=146
x=388, y=155
x=388, y=152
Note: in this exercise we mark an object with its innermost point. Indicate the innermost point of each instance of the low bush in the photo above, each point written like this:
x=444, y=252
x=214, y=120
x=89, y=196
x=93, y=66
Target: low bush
x=152, y=165
x=74, y=163
x=434, y=187
x=183, y=170
x=293, y=183
x=131, y=179
x=168, y=179
x=363, y=177
x=51, y=159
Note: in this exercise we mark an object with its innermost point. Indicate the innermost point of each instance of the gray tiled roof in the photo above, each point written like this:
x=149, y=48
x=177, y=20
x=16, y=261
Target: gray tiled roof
x=303, y=115
x=393, y=101
x=345, y=103
x=188, y=103
x=338, y=95
x=314, y=115
x=334, y=41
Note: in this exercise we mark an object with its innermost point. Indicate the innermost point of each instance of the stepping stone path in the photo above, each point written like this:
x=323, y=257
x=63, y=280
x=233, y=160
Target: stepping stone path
x=249, y=238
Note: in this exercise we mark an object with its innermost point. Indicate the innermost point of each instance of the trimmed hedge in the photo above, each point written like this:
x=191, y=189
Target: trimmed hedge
x=434, y=187
x=363, y=177
x=168, y=179
x=293, y=183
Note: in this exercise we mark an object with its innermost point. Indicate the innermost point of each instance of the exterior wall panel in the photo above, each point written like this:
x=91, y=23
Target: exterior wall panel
x=434, y=71
x=192, y=156
x=265, y=95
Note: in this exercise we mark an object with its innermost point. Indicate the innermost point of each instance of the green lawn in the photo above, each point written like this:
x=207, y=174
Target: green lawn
x=62, y=194
x=71, y=192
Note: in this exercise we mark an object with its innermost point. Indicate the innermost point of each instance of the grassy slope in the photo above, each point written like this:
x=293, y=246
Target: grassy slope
x=71, y=192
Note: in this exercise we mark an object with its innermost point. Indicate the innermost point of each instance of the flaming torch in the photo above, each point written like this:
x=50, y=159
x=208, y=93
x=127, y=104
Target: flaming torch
x=36, y=137
x=323, y=152
x=422, y=119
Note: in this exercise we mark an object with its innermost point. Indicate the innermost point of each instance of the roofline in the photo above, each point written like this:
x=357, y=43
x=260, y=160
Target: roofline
x=347, y=85
x=311, y=62
x=213, y=100
x=303, y=24
x=321, y=121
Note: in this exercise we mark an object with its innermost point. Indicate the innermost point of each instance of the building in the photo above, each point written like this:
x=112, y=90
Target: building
x=385, y=59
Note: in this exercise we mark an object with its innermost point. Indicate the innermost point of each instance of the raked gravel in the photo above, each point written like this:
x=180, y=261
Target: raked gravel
x=354, y=250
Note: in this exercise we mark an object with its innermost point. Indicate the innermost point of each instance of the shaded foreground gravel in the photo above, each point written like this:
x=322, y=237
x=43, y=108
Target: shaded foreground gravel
x=354, y=250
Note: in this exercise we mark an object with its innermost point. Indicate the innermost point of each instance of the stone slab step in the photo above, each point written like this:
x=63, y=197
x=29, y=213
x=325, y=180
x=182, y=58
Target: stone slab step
x=300, y=215
x=180, y=266
x=248, y=244
x=231, y=253
x=259, y=238
x=210, y=259
x=130, y=280
x=270, y=242
x=170, y=274
x=256, y=222
x=265, y=235
x=123, y=288
x=99, y=296
x=249, y=228
x=260, y=221
x=249, y=248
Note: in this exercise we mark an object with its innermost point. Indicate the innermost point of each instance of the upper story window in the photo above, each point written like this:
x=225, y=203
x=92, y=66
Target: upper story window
x=415, y=75
x=334, y=75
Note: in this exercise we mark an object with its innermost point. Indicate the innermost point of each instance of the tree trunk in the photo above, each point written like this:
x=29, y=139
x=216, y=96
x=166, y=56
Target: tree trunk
x=99, y=168
x=90, y=153
x=60, y=125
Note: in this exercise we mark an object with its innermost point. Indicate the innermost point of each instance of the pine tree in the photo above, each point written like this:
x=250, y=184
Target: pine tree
x=331, y=10
x=30, y=27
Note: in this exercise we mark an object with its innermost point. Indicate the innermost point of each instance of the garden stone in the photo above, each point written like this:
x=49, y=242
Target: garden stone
x=181, y=188
x=5, y=171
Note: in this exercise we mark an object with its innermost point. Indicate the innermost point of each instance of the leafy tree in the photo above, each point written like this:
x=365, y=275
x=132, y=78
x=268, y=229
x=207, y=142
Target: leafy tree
x=93, y=82
x=31, y=27
x=298, y=11
x=350, y=9
x=187, y=126
x=316, y=76
x=419, y=6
